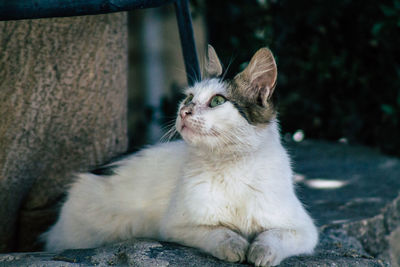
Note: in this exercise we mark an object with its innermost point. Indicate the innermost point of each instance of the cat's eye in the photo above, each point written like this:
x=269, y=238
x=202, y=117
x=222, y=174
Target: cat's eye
x=217, y=100
x=188, y=99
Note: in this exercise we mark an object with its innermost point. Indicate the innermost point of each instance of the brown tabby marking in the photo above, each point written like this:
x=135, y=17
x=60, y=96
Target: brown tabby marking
x=249, y=106
x=251, y=90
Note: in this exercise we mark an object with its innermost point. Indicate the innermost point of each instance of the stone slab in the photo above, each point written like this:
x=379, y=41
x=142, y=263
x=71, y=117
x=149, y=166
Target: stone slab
x=351, y=191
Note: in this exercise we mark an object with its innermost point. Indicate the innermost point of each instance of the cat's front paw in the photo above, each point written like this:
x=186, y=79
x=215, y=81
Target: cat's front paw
x=233, y=248
x=263, y=255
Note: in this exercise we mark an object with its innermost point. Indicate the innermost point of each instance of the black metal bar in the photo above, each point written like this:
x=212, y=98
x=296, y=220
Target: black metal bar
x=184, y=20
x=33, y=9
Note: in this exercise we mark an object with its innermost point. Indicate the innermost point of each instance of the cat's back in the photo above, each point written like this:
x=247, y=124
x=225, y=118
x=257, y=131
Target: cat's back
x=155, y=162
x=155, y=168
x=148, y=175
x=127, y=202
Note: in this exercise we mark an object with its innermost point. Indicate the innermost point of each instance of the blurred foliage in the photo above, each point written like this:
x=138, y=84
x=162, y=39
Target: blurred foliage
x=338, y=62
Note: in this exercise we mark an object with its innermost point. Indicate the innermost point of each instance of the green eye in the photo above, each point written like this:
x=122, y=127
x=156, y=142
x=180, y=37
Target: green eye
x=188, y=99
x=217, y=100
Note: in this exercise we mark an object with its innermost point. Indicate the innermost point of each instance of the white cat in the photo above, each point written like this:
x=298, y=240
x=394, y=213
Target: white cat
x=227, y=189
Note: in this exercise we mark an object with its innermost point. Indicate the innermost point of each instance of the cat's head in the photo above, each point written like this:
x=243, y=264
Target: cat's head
x=218, y=114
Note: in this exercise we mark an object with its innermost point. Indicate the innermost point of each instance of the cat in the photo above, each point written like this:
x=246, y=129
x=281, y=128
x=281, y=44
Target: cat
x=226, y=188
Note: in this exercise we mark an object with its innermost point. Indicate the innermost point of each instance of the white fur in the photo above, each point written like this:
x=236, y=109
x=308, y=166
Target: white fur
x=227, y=190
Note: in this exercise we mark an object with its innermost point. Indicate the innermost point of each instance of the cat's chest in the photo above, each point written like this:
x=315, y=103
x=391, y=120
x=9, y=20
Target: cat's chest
x=223, y=198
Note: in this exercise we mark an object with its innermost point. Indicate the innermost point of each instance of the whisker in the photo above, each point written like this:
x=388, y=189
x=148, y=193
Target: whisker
x=196, y=79
x=187, y=74
x=170, y=133
x=227, y=68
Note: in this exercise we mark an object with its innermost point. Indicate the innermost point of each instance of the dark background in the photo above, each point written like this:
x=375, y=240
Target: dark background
x=338, y=62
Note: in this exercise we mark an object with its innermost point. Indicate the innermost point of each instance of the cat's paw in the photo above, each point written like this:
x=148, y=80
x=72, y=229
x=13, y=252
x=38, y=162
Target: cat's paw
x=263, y=255
x=233, y=248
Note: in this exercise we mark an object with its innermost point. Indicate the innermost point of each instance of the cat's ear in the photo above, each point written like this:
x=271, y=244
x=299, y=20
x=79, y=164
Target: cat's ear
x=213, y=66
x=258, y=79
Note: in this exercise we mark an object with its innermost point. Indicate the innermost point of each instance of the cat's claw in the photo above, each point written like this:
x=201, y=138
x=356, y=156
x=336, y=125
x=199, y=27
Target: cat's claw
x=232, y=249
x=263, y=255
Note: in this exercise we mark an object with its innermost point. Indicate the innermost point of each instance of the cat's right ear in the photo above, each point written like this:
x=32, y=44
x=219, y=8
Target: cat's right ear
x=258, y=80
x=213, y=67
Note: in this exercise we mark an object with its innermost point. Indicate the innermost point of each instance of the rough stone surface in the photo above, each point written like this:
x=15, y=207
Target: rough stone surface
x=394, y=247
x=351, y=191
x=335, y=249
x=63, y=86
x=364, y=181
x=363, y=195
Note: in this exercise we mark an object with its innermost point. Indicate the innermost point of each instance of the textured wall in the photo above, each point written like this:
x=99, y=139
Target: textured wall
x=63, y=93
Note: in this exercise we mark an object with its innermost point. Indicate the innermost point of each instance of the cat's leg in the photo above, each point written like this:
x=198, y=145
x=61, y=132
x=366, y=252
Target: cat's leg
x=218, y=241
x=270, y=247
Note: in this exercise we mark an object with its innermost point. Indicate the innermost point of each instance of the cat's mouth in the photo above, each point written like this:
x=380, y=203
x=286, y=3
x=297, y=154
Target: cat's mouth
x=187, y=129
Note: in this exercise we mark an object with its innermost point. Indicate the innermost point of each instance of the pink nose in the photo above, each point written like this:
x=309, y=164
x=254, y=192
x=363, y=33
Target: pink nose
x=185, y=111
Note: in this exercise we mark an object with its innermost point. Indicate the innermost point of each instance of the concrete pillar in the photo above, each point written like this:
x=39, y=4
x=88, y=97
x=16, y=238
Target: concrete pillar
x=63, y=94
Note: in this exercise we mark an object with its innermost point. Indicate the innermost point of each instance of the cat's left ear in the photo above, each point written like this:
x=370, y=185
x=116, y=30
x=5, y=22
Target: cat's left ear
x=213, y=66
x=260, y=76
